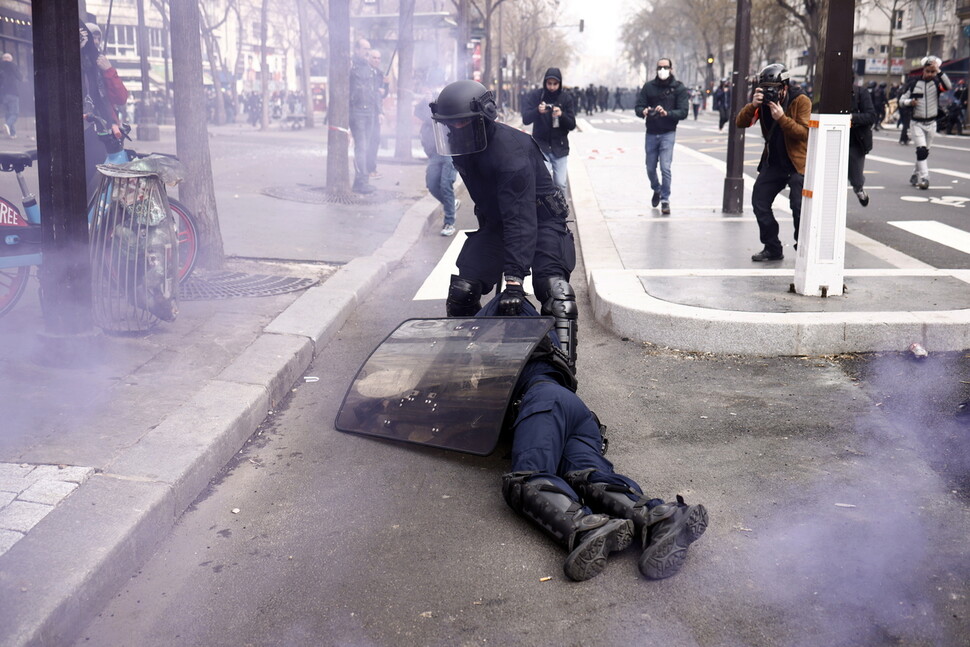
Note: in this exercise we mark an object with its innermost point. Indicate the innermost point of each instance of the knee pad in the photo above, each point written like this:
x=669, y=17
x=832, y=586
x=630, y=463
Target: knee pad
x=922, y=152
x=464, y=297
x=559, y=301
x=512, y=488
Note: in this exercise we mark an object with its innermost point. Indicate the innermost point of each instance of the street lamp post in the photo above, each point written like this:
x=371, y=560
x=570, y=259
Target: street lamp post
x=733, y=201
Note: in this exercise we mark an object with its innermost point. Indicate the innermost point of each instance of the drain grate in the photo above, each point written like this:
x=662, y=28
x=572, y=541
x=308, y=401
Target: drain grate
x=321, y=195
x=229, y=285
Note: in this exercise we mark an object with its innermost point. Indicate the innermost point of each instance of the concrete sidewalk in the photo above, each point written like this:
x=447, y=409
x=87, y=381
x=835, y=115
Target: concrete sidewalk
x=686, y=280
x=98, y=460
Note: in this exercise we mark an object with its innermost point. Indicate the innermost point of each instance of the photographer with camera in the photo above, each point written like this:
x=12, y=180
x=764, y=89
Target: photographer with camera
x=661, y=102
x=552, y=115
x=784, y=112
x=922, y=94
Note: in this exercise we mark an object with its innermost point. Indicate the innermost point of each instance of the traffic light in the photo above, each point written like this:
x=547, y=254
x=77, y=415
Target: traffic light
x=710, y=60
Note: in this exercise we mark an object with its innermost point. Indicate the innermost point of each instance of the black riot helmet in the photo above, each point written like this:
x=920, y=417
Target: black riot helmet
x=459, y=115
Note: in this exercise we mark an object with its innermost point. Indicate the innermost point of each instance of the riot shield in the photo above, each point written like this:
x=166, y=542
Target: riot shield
x=445, y=383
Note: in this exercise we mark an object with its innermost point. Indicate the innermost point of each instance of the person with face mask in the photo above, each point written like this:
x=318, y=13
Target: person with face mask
x=551, y=113
x=662, y=102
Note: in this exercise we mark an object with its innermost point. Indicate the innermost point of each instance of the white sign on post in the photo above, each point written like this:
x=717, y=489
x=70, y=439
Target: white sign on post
x=820, y=261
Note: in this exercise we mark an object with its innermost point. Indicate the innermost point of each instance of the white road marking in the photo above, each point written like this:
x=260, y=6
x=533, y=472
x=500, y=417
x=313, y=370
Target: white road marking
x=952, y=237
x=435, y=286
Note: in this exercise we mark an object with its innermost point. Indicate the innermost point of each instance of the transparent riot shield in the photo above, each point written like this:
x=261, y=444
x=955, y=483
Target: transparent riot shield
x=444, y=383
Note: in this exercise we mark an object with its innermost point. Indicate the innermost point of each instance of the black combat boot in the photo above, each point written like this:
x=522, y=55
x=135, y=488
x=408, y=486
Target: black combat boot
x=589, y=538
x=666, y=530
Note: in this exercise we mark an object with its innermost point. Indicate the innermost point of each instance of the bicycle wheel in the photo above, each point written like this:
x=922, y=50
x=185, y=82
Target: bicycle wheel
x=13, y=282
x=188, y=238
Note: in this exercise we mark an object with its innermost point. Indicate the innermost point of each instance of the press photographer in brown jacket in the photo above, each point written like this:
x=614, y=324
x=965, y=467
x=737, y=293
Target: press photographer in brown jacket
x=784, y=111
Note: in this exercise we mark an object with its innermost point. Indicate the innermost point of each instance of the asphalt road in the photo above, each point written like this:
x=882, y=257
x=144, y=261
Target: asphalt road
x=836, y=486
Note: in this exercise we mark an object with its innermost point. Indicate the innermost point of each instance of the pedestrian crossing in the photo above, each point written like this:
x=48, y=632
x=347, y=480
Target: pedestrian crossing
x=937, y=232
x=435, y=286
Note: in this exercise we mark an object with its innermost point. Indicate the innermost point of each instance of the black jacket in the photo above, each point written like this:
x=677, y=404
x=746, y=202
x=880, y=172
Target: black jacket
x=863, y=118
x=550, y=140
x=504, y=181
x=365, y=100
x=672, y=95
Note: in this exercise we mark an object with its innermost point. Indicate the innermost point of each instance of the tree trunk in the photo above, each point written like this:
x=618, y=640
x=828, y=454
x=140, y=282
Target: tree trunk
x=219, y=116
x=263, y=66
x=191, y=136
x=305, y=59
x=405, y=80
x=338, y=106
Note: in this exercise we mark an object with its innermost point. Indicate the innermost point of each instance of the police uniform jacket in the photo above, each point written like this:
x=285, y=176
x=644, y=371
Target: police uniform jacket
x=505, y=180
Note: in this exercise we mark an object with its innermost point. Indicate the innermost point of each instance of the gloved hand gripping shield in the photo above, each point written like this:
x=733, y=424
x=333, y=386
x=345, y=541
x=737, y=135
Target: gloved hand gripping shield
x=444, y=383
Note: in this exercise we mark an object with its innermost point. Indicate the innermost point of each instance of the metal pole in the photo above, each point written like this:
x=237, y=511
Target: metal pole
x=147, y=126
x=66, y=273
x=734, y=181
x=836, y=81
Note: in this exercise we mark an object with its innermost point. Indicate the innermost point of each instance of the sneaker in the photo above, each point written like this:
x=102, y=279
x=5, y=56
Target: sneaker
x=924, y=184
x=665, y=208
x=374, y=175
x=672, y=529
x=764, y=255
x=363, y=189
x=457, y=204
x=655, y=200
x=914, y=179
x=448, y=230
x=863, y=197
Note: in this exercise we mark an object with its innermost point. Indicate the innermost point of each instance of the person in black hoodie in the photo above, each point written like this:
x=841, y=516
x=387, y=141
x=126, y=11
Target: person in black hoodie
x=864, y=116
x=552, y=115
x=662, y=102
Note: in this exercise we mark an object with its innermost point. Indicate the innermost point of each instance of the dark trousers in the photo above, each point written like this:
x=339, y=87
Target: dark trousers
x=857, y=164
x=373, y=144
x=556, y=433
x=772, y=181
x=362, y=129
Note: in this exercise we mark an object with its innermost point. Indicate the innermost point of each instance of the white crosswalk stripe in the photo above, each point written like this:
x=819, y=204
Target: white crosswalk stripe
x=435, y=287
x=937, y=232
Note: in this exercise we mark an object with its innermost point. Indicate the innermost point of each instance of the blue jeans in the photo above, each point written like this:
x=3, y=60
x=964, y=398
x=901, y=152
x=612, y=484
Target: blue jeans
x=557, y=167
x=362, y=129
x=11, y=111
x=660, y=148
x=439, y=177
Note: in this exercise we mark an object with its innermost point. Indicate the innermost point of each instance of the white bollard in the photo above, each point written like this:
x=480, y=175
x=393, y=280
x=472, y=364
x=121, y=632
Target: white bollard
x=820, y=261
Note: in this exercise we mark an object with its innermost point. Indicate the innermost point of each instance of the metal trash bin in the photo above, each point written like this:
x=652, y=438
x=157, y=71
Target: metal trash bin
x=134, y=250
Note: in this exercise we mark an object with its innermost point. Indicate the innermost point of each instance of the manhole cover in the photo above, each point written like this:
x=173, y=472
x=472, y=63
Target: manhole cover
x=228, y=285
x=320, y=195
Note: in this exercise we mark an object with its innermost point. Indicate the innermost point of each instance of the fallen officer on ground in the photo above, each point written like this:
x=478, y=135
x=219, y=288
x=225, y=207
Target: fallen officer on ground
x=459, y=383
x=562, y=482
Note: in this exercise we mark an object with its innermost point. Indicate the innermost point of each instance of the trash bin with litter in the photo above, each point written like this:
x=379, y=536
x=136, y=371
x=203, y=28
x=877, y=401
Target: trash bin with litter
x=134, y=247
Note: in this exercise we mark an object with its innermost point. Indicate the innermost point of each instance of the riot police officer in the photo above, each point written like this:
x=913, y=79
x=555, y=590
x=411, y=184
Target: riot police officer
x=562, y=482
x=521, y=214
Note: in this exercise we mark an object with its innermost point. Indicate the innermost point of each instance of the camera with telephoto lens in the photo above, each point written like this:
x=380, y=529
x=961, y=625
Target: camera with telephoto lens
x=769, y=93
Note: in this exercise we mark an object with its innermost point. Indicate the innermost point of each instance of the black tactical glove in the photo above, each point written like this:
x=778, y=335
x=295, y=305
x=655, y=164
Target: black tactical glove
x=510, y=300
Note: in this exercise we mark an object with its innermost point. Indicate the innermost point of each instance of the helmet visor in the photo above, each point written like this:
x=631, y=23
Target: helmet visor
x=460, y=136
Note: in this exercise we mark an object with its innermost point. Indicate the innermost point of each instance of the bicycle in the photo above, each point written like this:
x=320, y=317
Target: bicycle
x=20, y=242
